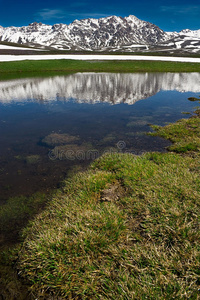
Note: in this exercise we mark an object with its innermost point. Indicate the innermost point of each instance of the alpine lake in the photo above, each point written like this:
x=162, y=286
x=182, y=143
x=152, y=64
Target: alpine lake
x=51, y=127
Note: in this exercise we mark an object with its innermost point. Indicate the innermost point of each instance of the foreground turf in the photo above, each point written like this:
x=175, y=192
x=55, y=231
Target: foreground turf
x=128, y=228
x=49, y=67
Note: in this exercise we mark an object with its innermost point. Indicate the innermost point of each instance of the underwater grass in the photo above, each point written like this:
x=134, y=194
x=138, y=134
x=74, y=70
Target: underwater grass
x=16, y=212
x=128, y=228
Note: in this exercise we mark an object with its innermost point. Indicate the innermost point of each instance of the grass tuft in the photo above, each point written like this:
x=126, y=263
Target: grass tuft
x=185, y=134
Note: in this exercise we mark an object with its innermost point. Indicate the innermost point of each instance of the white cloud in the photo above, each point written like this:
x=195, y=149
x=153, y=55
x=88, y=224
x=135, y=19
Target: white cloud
x=89, y=15
x=47, y=14
x=181, y=9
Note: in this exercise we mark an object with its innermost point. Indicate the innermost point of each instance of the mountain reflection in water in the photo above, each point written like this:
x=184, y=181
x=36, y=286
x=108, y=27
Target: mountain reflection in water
x=43, y=119
x=97, y=87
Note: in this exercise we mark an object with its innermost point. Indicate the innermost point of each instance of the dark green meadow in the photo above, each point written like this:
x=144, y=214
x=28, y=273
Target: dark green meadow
x=27, y=68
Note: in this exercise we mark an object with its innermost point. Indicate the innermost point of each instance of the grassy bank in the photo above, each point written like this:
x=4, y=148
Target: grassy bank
x=128, y=228
x=49, y=67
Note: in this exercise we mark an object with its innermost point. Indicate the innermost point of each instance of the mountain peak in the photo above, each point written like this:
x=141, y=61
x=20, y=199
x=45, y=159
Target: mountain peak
x=132, y=17
x=35, y=24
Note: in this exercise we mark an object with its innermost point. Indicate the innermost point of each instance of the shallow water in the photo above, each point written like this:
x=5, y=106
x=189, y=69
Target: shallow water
x=104, y=111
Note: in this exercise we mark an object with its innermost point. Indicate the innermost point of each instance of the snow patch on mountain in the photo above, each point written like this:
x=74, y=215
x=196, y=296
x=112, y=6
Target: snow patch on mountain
x=98, y=57
x=87, y=34
x=191, y=33
x=7, y=47
x=112, y=33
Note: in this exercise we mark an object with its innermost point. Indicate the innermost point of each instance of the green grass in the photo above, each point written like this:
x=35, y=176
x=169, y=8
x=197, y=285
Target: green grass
x=185, y=134
x=128, y=228
x=50, y=67
x=142, y=245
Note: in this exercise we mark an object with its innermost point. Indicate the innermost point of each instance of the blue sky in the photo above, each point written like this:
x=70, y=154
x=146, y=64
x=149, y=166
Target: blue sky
x=171, y=15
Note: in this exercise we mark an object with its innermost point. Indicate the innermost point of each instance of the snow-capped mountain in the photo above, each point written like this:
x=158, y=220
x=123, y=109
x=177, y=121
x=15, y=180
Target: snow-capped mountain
x=188, y=32
x=186, y=40
x=88, y=34
x=111, y=33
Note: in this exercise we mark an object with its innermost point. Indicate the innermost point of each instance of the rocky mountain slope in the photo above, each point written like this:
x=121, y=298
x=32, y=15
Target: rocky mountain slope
x=104, y=34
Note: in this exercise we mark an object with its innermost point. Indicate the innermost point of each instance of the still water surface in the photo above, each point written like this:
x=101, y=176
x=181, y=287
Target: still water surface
x=50, y=125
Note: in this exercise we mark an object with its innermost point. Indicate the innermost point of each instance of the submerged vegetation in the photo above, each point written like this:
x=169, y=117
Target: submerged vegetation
x=128, y=228
x=57, y=139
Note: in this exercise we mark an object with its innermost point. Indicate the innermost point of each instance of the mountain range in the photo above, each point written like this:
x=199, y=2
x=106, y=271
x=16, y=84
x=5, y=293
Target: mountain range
x=113, y=34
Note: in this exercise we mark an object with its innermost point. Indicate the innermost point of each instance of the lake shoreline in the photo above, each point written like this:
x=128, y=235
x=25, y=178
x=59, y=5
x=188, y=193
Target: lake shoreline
x=149, y=201
x=103, y=100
